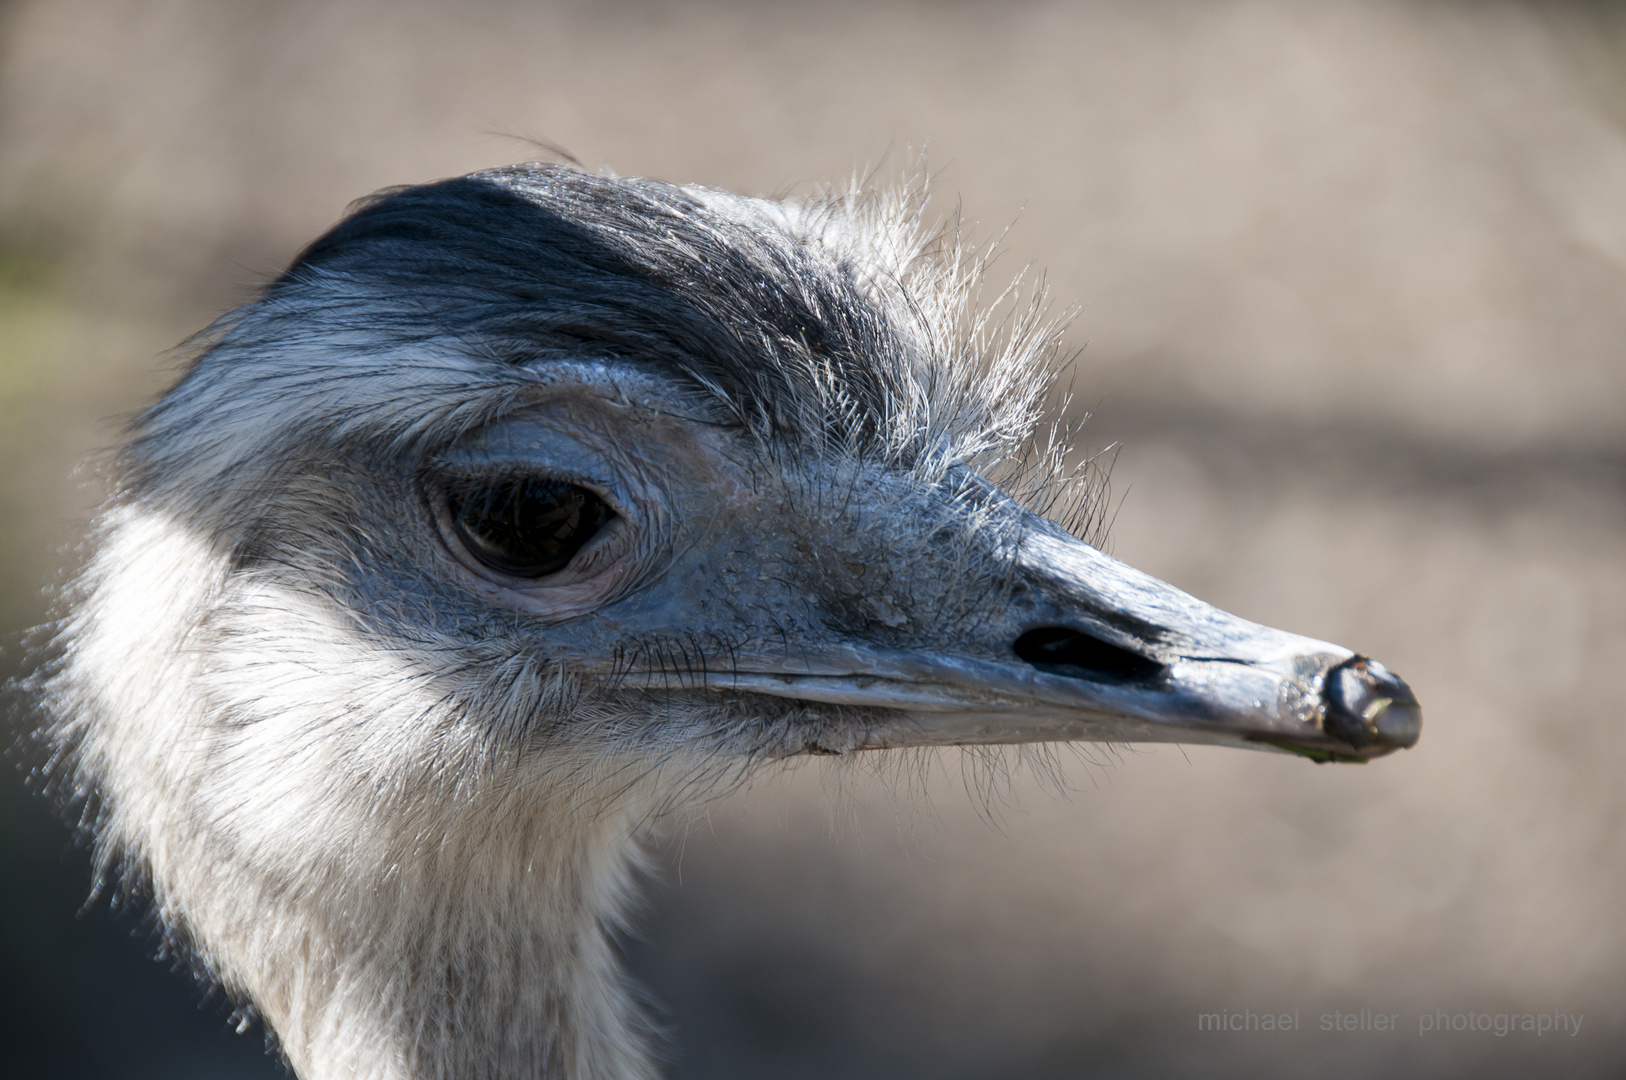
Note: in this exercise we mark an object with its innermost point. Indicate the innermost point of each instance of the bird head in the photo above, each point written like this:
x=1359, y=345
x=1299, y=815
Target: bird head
x=537, y=464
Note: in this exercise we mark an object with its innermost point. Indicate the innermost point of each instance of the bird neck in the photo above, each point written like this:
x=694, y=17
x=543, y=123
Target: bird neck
x=400, y=894
x=489, y=960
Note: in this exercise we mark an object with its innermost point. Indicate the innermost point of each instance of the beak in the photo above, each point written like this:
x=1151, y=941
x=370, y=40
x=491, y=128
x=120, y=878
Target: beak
x=1092, y=649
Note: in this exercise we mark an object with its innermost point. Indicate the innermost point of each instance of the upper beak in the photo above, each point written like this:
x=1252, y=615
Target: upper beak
x=1100, y=651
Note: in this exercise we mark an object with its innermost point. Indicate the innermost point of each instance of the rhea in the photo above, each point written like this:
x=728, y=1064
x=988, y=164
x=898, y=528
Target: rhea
x=527, y=505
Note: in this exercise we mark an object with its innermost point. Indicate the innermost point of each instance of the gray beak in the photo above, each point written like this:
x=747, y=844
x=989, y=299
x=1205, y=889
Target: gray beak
x=1092, y=649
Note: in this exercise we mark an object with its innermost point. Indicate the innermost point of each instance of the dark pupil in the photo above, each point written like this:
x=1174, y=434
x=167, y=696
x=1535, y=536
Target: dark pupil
x=527, y=527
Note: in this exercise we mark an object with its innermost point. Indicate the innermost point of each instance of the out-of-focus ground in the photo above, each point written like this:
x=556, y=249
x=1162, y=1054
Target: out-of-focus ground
x=1353, y=279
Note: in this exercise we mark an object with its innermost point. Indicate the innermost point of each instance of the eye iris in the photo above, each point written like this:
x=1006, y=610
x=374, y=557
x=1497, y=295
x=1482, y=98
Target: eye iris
x=527, y=527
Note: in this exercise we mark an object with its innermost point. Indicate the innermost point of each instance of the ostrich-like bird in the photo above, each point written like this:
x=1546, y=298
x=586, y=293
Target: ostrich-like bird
x=527, y=504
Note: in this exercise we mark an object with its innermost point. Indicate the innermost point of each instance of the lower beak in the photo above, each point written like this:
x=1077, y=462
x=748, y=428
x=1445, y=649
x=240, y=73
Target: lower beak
x=1324, y=703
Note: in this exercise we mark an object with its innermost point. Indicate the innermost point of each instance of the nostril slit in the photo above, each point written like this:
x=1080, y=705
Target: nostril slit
x=1061, y=650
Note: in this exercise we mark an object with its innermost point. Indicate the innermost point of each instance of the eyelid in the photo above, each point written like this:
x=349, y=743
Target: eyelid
x=443, y=473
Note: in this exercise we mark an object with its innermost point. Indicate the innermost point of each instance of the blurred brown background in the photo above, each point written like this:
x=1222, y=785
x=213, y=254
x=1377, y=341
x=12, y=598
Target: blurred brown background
x=1353, y=279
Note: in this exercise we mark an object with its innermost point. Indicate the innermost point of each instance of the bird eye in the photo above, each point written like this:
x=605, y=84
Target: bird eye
x=525, y=527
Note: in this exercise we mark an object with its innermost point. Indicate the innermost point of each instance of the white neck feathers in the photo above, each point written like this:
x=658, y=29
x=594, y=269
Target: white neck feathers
x=394, y=912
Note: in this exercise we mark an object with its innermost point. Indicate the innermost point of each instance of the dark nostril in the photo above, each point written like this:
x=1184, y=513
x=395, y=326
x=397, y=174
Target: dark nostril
x=1061, y=650
x=1367, y=704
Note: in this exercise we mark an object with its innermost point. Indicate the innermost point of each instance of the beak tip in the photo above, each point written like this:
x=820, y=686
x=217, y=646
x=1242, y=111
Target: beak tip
x=1399, y=725
x=1369, y=707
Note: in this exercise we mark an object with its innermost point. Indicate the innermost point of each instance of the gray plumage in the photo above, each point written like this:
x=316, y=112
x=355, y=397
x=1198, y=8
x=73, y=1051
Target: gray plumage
x=527, y=504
